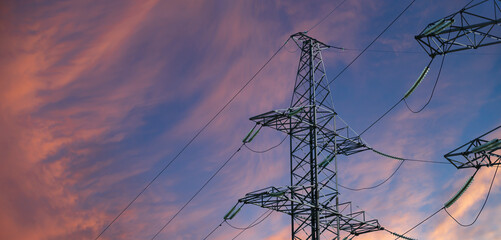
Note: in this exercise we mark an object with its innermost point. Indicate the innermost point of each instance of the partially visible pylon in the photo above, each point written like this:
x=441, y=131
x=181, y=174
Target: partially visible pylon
x=316, y=138
x=477, y=153
x=476, y=25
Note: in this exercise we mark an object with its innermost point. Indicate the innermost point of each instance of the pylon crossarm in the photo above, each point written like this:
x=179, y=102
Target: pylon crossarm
x=301, y=37
x=476, y=153
x=463, y=30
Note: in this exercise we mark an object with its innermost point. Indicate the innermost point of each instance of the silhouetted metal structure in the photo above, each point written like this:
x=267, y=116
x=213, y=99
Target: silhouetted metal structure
x=469, y=28
x=316, y=138
x=477, y=153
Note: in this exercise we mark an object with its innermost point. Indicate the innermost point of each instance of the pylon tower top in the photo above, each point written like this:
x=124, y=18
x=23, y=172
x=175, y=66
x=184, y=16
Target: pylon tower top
x=316, y=138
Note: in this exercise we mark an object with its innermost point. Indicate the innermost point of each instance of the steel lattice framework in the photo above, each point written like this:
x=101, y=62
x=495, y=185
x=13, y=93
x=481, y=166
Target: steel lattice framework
x=316, y=138
x=477, y=153
x=465, y=29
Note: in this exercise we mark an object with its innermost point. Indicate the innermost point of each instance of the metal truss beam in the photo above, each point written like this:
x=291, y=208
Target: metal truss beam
x=316, y=138
x=466, y=29
x=477, y=153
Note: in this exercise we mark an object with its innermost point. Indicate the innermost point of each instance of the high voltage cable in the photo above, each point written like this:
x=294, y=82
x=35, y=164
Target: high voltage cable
x=266, y=150
x=426, y=219
x=483, y=205
x=432, y=91
x=411, y=52
x=199, y=190
x=445, y=206
x=213, y=230
x=405, y=159
x=402, y=99
x=253, y=224
x=382, y=116
x=194, y=137
x=377, y=185
x=394, y=171
x=323, y=19
x=373, y=41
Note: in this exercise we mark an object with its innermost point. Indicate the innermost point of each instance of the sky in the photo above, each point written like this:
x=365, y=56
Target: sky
x=96, y=97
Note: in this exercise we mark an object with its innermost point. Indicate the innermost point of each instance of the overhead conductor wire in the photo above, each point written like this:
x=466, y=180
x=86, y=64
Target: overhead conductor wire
x=432, y=91
x=265, y=150
x=483, y=205
x=252, y=224
x=373, y=41
x=326, y=16
x=192, y=139
x=453, y=200
x=402, y=99
x=213, y=230
x=199, y=190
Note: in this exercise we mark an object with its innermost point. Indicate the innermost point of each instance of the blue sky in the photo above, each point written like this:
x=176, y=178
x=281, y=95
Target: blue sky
x=97, y=97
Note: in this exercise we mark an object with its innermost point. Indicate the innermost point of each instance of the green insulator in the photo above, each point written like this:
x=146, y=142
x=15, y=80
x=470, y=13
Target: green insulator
x=386, y=155
x=231, y=210
x=296, y=111
x=248, y=134
x=418, y=81
x=253, y=136
x=433, y=27
x=277, y=194
x=326, y=161
x=402, y=236
x=460, y=193
x=493, y=144
x=443, y=26
x=235, y=213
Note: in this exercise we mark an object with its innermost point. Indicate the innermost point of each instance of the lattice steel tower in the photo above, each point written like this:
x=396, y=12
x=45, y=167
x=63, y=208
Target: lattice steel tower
x=316, y=138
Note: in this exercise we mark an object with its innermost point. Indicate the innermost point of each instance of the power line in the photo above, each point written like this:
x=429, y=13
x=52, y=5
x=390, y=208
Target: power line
x=323, y=19
x=426, y=219
x=393, y=173
x=483, y=205
x=213, y=230
x=402, y=99
x=381, y=117
x=199, y=190
x=405, y=159
x=266, y=150
x=432, y=92
x=192, y=139
x=373, y=41
x=252, y=224
x=377, y=185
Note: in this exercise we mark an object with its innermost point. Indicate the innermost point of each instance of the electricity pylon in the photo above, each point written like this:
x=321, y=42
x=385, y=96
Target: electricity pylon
x=477, y=153
x=469, y=28
x=316, y=138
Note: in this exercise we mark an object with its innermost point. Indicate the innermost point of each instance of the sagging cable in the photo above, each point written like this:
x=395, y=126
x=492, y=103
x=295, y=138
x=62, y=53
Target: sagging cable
x=418, y=81
x=460, y=193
